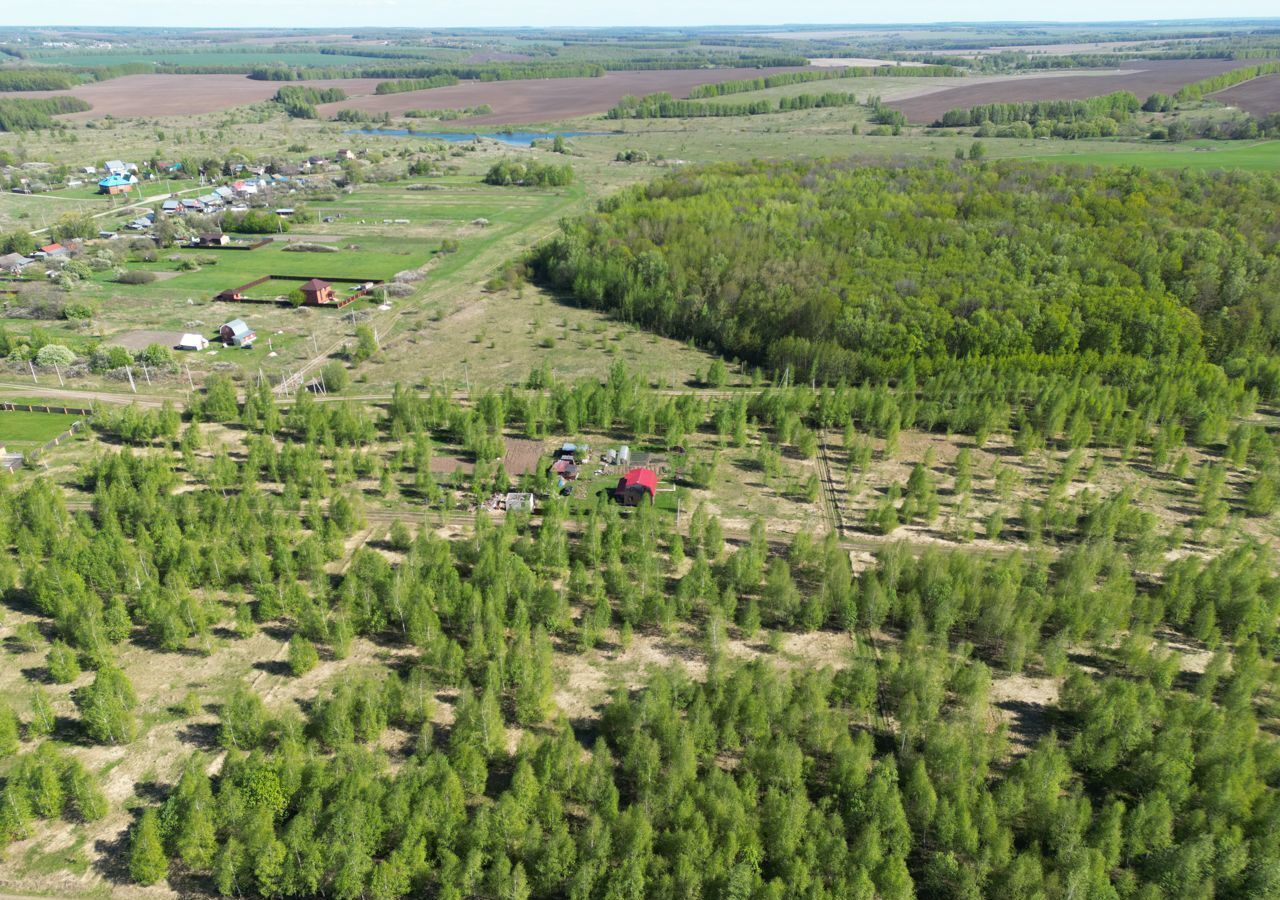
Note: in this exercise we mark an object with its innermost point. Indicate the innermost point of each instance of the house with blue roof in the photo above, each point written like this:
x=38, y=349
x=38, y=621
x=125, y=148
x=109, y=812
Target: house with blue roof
x=115, y=184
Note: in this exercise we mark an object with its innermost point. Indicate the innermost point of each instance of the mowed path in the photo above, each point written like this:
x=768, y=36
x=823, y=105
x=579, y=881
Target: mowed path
x=1142, y=77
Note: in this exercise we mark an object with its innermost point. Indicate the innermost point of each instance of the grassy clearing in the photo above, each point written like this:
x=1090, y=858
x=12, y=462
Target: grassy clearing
x=24, y=430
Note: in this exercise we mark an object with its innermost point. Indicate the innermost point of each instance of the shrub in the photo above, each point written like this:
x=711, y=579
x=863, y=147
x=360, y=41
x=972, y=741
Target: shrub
x=156, y=355
x=302, y=655
x=64, y=667
x=335, y=377
x=137, y=276
x=55, y=355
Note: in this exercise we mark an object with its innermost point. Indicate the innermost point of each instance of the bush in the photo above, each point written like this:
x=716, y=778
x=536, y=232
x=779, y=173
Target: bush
x=105, y=359
x=334, y=376
x=77, y=311
x=308, y=247
x=63, y=665
x=157, y=355
x=55, y=355
x=302, y=655
x=137, y=276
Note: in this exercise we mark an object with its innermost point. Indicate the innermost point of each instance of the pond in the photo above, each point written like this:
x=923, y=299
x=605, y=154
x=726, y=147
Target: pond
x=515, y=138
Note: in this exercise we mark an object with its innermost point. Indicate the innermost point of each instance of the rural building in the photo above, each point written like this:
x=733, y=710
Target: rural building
x=237, y=333
x=172, y=206
x=52, y=250
x=115, y=184
x=193, y=342
x=14, y=262
x=635, y=485
x=192, y=205
x=565, y=468
x=317, y=293
x=520, y=502
x=212, y=240
x=344, y=154
x=117, y=167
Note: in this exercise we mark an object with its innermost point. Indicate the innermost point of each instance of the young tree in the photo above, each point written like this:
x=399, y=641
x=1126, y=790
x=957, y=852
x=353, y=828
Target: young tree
x=106, y=707
x=147, y=862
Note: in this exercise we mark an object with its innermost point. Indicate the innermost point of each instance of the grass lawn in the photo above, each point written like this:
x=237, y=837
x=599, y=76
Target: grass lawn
x=24, y=430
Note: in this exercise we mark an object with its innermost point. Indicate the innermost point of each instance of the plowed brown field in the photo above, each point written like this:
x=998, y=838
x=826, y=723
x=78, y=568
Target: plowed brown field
x=545, y=99
x=1260, y=97
x=181, y=95
x=1142, y=77
x=513, y=102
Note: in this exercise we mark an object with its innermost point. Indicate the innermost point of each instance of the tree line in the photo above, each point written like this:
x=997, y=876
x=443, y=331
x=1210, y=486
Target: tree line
x=748, y=85
x=32, y=114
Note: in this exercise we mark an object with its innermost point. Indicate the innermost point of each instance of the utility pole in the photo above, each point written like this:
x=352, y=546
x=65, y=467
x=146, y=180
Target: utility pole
x=132, y=385
x=61, y=383
x=32, y=366
x=190, y=381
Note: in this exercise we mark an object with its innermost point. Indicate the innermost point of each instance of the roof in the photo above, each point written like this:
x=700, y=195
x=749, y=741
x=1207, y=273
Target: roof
x=14, y=259
x=53, y=248
x=238, y=327
x=193, y=340
x=645, y=478
x=315, y=284
x=114, y=181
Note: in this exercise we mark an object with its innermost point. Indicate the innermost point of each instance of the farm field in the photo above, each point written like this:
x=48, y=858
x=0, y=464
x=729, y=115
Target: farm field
x=544, y=100
x=179, y=95
x=1261, y=96
x=204, y=58
x=1142, y=77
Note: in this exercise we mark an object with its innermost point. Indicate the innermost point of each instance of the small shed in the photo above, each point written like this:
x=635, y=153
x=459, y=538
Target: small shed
x=193, y=342
x=237, y=333
x=14, y=262
x=213, y=240
x=565, y=468
x=634, y=486
x=520, y=502
x=317, y=293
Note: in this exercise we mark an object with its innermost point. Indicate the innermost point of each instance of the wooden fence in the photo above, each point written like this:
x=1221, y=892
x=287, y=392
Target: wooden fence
x=13, y=463
x=45, y=408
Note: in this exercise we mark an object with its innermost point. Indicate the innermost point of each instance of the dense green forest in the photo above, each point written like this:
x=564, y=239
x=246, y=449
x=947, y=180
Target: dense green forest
x=844, y=270
x=24, y=114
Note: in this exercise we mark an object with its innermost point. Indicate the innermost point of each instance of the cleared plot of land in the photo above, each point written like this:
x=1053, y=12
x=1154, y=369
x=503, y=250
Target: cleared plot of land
x=1142, y=77
x=546, y=99
x=180, y=95
x=23, y=430
x=1260, y=97
x=141, y=340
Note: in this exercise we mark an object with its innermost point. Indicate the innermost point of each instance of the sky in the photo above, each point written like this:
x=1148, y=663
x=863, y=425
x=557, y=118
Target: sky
x=546, y=13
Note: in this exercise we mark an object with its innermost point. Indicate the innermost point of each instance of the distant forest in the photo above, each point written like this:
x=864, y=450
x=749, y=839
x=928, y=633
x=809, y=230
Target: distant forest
x=843, y=270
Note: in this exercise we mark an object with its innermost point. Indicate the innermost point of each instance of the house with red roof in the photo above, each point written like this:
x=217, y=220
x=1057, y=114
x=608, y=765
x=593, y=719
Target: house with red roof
x=634, y=486
x=317, y=292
